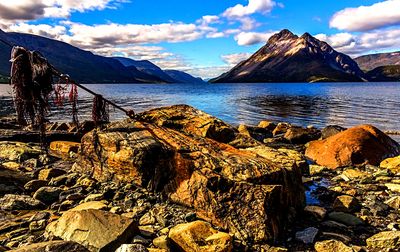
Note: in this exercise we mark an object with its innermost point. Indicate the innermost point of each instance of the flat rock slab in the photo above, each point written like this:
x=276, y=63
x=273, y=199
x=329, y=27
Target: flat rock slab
x=96, y=230
x=183, y=153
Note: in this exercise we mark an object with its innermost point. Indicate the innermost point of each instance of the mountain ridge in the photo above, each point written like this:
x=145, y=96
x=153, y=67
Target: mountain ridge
x=287, y=57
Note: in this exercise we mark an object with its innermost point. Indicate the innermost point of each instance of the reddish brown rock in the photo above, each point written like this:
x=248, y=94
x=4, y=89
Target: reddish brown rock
x=363, y=144
x=246, y=191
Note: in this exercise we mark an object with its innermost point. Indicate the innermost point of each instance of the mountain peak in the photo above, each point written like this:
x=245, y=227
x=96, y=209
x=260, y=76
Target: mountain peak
x=285, y=34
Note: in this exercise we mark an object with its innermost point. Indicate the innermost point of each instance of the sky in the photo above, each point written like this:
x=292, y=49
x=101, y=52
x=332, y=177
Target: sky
x=204, y=37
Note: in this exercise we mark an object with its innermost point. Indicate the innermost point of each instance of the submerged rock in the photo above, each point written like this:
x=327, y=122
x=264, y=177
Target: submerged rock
x=186, y=158
x=363, y=144
x=95, y=229
x=200, y=236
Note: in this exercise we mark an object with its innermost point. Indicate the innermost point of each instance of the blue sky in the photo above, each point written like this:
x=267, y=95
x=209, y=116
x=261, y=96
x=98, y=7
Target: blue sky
x=204, y=37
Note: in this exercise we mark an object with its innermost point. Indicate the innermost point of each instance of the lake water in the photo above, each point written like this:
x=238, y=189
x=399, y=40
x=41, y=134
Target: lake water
x=320, y=104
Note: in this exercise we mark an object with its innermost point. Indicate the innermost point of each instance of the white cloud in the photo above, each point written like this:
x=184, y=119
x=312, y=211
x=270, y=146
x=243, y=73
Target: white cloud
x=254, y=6
x=235, y=58
x=40, y=29
x=116, y=34
x=357, y=44
x=252, y=38
x=18, y=10
x=207, y=72
x=366, y=18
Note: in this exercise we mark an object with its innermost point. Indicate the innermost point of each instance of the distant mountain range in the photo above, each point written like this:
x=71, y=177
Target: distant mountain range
x=84, y=66
x=371, y=61
x=289, y=58
x=286, y=57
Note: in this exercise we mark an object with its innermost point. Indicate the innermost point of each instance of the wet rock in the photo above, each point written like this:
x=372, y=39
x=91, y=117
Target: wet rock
x=47, y=194
x=254, y=132
x=19, y=202
x=345, y=218
x=299, y=135
x=385, y=240
x=363, y=144
x=331, y=130
x=346, y=203
x=34, y=185
x=393, y=202
x=199, y=236
x=308, y=235
x=17, y=151
x=132, y=248
x=180, y=160
x=332, y=246
x=48, y=174
x=267, y=125
x=317, y=212
x=64, y=147
x=53, y=246
x=95, y=229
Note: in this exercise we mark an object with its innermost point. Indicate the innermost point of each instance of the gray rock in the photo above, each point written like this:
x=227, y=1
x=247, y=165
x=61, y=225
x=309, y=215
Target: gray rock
x=308, y=235
x=19, y=202
x=331, y=130
x=345, y=218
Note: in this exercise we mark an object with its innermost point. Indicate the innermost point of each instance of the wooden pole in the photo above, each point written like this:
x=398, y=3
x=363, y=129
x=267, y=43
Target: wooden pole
x=129, y=113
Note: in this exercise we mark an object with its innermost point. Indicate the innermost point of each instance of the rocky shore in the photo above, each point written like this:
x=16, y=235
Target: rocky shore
x=178, y=179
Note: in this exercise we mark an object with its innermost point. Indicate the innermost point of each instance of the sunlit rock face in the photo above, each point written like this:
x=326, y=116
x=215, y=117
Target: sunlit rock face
x=186, y=154
x=289, y=58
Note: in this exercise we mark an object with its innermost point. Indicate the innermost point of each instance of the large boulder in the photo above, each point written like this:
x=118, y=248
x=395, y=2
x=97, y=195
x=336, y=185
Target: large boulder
x=363, y=144
x=181, y=152
x=96, y=230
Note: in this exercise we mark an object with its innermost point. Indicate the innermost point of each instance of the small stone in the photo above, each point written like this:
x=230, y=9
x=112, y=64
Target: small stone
x=353, y=174
x=345, y=218
x=19, y=202
x=141, y=240
x=161, y=242
x=392, y=164
x=346, y=203
x=132, y=248
x=316, y=169
x=47, y=194
x=393, y=187
x=281, y=128
x=116, y=210
x=147, y=219
x=34, y=185
x=147, y=231
x=316, y=211
x=64, y=147
x=94, y=197
x=308, y=235
x=86, y=182
x=393, y=202
x=40, y=216
x=200, y=236
x=267, y=125
x=189, y=217
x=332, y=246
x=37, y=225
x=48, y=174
x=385, y=240
x=52, y=246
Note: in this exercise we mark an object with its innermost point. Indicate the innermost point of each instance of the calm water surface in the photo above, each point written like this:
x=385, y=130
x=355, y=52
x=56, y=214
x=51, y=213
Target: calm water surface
x=345, y=104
